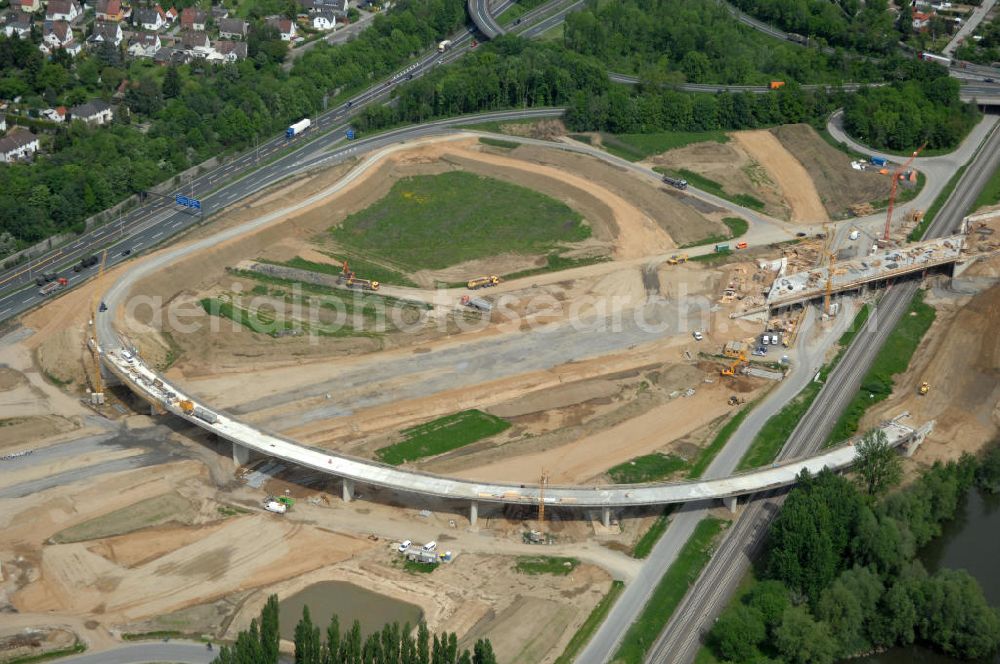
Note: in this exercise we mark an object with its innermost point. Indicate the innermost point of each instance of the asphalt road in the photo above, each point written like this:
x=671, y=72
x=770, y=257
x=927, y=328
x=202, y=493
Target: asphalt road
x=479, y=10
x=680, y=641
x=177, y=652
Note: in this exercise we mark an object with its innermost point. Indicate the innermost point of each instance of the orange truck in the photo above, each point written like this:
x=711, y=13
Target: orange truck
x=776, y=84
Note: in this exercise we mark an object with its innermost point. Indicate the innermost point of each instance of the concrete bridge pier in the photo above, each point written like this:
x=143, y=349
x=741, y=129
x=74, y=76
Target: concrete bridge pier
x=606, y=516
x=730, y=503
x=473, y=513
x=241, y=455
x=348, y=488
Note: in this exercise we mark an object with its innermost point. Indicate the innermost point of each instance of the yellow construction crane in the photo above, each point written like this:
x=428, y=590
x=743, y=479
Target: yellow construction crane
x=97, y=385
x=541, y=497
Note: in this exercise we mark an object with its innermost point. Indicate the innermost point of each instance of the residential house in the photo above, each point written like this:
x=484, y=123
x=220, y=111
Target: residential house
x=109, y=32
x=63, y=10
x=338, y=7
x=171, y=55
x=93, y=112
x=109, y=11
x=144, y=45
x=921, y=20
x=193, y=19
x=286, y=28
x=229, y=51
x=233, y=28
x=19, y=145
x=196, y=43
x=219, y=12
x=30, y=6
x=151, y=19
x=172, y=15
x=323, y=19
x=18, y=25
x=58, y=35
x=57, y=114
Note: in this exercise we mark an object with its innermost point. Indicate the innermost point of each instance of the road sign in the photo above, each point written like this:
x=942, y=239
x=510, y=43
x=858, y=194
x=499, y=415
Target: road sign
x=350, y=134
x=185, y=201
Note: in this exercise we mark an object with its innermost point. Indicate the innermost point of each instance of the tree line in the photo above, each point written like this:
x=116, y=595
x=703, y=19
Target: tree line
x=840, y=576
x=258, y=644
x=853, y=24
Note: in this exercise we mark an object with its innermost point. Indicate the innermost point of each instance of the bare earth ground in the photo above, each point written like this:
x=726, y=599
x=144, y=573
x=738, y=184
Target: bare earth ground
x=788, y=173
x=839, y=185
x=961, y=361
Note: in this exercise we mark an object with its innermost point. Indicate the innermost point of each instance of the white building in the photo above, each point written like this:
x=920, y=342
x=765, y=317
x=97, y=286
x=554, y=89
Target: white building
x=18, y=146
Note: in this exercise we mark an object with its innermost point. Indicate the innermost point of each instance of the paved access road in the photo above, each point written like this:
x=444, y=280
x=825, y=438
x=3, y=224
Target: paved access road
x=159, y=652
x=679, y=642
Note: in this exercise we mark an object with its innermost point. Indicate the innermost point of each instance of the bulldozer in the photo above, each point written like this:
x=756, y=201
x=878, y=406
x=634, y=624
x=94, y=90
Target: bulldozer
x=925, y=387
x=736, y=401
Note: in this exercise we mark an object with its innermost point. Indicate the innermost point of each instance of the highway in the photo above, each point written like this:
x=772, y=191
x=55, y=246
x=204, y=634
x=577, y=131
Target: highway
x=680, y=641
x=479, y=11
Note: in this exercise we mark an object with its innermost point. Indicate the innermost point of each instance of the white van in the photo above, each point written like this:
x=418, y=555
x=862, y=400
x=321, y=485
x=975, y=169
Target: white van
x=774, y=339
x=764, y=340
x=430, y=546
x=404, y=545
x=855, y=234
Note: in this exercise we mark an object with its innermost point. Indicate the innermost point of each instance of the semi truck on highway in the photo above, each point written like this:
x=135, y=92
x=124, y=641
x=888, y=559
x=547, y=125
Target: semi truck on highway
x=676, y=182
x=52, y=287
x=444, y=46
x=85, y=262
x=297, y=128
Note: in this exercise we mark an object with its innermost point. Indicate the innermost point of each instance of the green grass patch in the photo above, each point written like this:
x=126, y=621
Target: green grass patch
x=159, y=635
x=990, y=195
x=713, y=258
x=498, y=143
x=653, y=534
x=554, y=565
x=442, y=435
x=56, y=380
x=648, y=468
x=590, y=625
x=893, y=359
x=859, y=322
x=434, y=221
x=149, y=512
x=555, y=263
x=230, y=510
x=361, y=268
x=701, y=464
x=261, y=321
x=772, y=436
x=74, y=649
x=711, y=186
x=921, y=228
x=413, y=567
x=495, y=126
x=669, y=592
x=736, y=226
x=636, y=147
x=582, y=138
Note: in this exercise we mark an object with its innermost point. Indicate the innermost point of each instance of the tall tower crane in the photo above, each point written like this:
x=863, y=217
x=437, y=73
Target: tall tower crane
x=892, y=191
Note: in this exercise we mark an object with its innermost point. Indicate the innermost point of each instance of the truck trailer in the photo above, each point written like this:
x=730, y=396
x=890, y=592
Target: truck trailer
x=676, y=182
x=205, y=415
x=297, y=128
x=483, y=282
x=444, y=45
x=53, y=286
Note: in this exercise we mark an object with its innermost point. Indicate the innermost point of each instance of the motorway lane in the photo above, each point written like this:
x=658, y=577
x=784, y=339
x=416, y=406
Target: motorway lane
x=680, y=641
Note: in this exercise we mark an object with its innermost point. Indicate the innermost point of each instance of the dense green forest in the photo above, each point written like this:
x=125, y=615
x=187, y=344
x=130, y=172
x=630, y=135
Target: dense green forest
x=700, y=42
x=863, y=26
x=840, y=576
x=393, y=645
x=987, y=50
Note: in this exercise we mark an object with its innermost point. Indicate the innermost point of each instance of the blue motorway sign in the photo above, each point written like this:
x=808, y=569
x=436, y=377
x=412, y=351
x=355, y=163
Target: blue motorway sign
x=350, y=134
x=187, y=202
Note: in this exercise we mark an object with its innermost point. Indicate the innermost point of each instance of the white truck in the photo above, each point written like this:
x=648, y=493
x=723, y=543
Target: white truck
x=297, y=128
x=444, y=45
x=275, y=506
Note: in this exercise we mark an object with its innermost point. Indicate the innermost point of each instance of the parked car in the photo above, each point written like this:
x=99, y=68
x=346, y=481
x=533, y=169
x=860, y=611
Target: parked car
x=404, y=545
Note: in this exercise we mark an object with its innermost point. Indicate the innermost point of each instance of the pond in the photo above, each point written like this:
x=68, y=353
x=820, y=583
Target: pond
x=350, y=603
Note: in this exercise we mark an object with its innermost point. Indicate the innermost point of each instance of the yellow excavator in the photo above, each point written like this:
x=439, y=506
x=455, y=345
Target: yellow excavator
x=731, y=369
x=925, y=387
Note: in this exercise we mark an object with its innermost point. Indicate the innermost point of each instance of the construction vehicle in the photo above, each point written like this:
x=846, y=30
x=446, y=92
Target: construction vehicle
x=741, y=245
x=924, y=388
x=677, y=258
x=477, y=303
x=205, y=415
x=363, y=284
x=272, y=505
x=892, y=191
x=678, y=183
x=776, y=85
x=731, y=369
x=722, y=248
x=186, y=406
x=736, y=401
x=484, y=282
x=51, y=287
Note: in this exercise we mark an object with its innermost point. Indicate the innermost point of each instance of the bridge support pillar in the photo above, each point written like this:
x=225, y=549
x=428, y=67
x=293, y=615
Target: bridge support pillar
x=730, y=503
x=606, y=516
x=348, y=490
x=241, y=455
x=473, y=513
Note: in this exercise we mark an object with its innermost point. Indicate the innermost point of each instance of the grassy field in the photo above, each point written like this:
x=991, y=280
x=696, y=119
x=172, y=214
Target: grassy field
x=711, y=186
x=499, y=143
x=442, y=435
x=736, y=226
x=554, y=263
x=649, y=538
x=648, y=468
x=361, y=268
x=921, y=228
x=669, y=592
x=434, y=221
x=545, y=565
x=260, y=321
x=591, y=624
x=636, y=147
x=991, y=192
x=893, y=359
x=74, y=649
x=149, y=512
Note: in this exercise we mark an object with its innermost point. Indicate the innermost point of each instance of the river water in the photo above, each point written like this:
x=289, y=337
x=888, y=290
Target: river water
x=349, y=602
x=970, y=542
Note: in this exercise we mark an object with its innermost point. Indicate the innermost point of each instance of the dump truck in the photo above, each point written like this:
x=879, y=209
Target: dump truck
x=679, y=183
x=50, y=288
x=721, y=248
x=677, y=258
x=444, y=45
x=477, y=303
x=484, y=282
x=776, y=84
x=205, y=415
x=363, y=284
x=297, y=128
